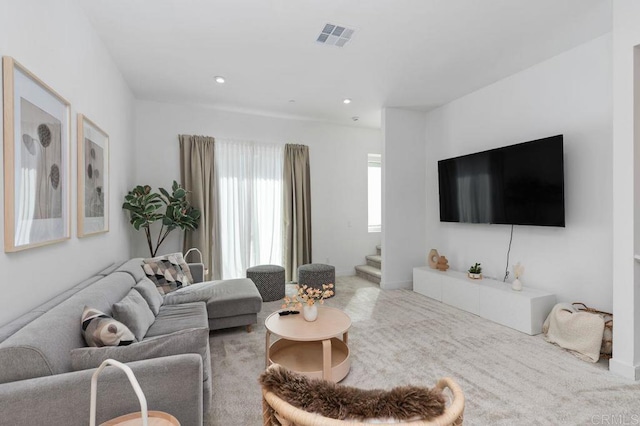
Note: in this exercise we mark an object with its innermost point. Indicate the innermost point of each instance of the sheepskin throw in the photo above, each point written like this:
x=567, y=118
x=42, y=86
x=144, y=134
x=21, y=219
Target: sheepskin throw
x=579, y=332
x=348, y=403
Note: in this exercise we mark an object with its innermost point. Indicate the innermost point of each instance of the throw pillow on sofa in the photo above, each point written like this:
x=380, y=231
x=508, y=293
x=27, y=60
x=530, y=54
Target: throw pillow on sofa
x=134, y=312
x=148, y=290
x=169, y=272
x=99, y=329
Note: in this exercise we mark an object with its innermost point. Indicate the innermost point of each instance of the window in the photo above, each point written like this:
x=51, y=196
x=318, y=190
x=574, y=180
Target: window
x=250, y=203
x=375, y=192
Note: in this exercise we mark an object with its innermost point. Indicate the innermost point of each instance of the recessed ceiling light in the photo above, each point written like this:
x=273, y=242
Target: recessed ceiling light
x=346, y=101
x=219, y=79
x=356, y=118
x=292, y=101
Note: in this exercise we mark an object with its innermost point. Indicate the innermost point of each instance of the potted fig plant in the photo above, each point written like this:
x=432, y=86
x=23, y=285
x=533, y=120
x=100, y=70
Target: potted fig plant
x=145, y=207
x=475, y=272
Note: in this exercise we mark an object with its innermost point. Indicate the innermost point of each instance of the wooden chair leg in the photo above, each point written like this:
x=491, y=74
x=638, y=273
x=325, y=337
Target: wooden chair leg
x=249, y=328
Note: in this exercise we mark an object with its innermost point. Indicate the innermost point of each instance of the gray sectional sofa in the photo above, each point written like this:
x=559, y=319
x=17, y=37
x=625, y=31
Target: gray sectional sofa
x=46, y=366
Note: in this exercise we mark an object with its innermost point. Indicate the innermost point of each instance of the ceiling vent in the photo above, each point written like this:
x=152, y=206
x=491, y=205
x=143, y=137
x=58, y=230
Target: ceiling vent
x=335, y=35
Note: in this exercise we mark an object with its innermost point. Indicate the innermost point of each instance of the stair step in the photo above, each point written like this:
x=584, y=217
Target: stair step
x=379, y=249
x=375, y=261
x=369, y=273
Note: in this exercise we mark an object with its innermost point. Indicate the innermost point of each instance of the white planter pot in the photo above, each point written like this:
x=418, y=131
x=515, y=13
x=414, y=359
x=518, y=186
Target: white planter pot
x=310, y=313
x=474, y=276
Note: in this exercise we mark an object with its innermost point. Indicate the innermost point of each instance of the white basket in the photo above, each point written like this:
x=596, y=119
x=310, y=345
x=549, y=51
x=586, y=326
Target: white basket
x=196, y=250
x=134, y=384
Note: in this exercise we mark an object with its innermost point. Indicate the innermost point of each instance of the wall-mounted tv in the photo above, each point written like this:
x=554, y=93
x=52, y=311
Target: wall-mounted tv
x=520, y=184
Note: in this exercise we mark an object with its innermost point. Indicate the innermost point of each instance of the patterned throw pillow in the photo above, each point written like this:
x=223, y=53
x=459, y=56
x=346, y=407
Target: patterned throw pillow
x=99, y=329
x=169, y=272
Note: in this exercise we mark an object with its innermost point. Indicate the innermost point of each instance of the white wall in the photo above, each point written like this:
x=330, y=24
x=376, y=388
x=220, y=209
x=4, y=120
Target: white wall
x=626, y=181
x=403, y=196
x=338, y=157
x=569, y=94
x=55, y=41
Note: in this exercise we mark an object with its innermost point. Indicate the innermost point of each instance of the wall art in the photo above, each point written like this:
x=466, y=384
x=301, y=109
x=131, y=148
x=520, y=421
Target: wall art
x=93, y=178
x=36, y=161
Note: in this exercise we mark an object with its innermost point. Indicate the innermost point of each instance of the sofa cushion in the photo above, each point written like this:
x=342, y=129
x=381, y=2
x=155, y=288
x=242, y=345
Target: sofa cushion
x=99, y=329
x=224, y=298
x=148, y=290
x=169, y=272
x=177, y=261
x=134, y=312
x=166, y=278
x=172, y=318
x=192, y=340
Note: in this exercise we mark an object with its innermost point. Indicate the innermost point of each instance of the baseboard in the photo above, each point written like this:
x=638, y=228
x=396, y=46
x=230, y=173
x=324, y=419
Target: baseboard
x=346, y=273
x=396, y=285
x=625, y=370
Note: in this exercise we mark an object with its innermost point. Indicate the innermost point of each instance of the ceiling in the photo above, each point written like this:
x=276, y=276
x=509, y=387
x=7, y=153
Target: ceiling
x=416, y=54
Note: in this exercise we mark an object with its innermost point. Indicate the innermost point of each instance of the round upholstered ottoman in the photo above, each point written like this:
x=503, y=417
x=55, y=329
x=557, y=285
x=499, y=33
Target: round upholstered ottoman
x=316, y=274
x=269, y=279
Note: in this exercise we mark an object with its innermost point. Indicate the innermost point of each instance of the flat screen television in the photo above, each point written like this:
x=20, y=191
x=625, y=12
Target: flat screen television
x=520, y=184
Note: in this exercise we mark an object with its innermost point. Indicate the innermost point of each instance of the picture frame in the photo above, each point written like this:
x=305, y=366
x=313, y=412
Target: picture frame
x=93, y=178
x=37, y=122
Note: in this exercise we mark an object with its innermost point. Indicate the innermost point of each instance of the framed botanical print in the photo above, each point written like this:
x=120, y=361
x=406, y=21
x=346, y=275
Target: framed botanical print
x=93, y=178
x=36, y=161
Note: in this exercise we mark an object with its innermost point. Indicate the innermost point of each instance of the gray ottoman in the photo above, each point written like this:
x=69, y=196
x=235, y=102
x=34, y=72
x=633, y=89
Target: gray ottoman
x=316, y=274
x=269, y=279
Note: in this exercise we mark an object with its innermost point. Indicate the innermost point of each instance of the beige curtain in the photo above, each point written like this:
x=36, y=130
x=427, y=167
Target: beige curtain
x=297, y=209
x=198, y=177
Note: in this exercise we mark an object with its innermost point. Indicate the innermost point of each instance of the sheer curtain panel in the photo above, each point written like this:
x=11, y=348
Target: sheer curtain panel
x=198, y=177
x=250, y=200
x=297, y=209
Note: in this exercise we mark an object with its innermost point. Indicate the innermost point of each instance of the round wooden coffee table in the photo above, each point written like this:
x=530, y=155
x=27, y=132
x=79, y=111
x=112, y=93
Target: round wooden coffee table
x=310, y=347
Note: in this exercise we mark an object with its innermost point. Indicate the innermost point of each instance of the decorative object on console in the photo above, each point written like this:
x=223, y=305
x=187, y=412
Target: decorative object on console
x=307, y=297
x=475, y=272
x=432, y=258
x=518, y=270
x=144, y=208
x=93, y=178
x=443, y=264
x=36, y=161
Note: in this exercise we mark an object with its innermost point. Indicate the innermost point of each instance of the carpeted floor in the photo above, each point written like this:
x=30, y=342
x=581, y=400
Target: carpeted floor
x=401, y=337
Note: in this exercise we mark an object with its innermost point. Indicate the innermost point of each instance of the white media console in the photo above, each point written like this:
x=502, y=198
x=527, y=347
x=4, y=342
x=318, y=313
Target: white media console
x=523, y=310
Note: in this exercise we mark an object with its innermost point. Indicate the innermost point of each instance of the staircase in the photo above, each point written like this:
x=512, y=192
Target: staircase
x=372, y=271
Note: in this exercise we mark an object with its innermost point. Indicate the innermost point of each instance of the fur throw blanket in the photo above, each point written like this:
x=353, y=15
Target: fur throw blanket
x=348, y=403
x=580, y=332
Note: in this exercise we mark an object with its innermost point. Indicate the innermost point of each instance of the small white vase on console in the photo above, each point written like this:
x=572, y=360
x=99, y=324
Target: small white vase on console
x=516, y=285
x=310, y=313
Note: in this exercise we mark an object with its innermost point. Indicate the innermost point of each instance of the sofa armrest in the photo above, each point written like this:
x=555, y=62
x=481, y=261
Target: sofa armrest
x=197, y=272
x=171, y=384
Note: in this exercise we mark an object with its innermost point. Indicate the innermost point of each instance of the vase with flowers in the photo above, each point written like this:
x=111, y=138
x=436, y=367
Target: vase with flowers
x=306, y=298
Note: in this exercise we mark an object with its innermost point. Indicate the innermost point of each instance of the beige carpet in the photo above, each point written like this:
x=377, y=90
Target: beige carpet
x=400, y=337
